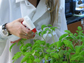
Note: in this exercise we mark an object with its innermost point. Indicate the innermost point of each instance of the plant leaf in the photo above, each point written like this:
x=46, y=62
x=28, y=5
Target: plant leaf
x=43, y=26
x=63, y=36
x=11, y=46
x=68, y=44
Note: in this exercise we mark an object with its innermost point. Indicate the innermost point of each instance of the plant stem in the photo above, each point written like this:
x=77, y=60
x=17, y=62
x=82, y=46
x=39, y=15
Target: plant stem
x=52, y=37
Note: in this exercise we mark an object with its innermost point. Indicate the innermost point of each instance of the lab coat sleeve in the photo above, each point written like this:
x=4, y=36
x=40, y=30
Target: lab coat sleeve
x=4, y=17
x=60, y=24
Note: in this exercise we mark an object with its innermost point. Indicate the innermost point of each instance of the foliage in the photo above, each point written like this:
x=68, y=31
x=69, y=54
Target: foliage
x=69, y=48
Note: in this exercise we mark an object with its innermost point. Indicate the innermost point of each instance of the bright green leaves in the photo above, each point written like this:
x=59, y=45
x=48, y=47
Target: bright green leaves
x=59, y=44
x=16, y=56
x=69, y=48
x=27, y=56
x=78, y=58
x=55, y=55
x=37, y=60
x=78, y=49
x=68, y=44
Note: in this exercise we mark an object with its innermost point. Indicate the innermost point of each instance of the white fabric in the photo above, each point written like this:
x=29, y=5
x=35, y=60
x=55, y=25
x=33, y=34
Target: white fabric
x=14, y=9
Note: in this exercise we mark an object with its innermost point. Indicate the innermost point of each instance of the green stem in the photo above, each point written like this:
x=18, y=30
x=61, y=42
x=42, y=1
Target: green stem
x=52, y=37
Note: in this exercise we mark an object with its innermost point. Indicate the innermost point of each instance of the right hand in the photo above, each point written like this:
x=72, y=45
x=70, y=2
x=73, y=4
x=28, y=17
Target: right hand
x=16, y=28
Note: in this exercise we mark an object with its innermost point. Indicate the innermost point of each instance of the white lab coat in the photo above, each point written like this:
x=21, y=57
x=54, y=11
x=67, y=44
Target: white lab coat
x=14, y=9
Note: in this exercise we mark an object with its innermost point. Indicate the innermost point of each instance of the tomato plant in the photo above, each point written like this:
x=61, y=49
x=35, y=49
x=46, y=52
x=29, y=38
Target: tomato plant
x=69, y=48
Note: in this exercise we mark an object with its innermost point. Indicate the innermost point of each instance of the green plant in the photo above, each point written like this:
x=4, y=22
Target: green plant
x=69, y=48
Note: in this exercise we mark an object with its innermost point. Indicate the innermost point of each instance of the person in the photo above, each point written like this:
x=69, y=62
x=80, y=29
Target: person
x=41, y=12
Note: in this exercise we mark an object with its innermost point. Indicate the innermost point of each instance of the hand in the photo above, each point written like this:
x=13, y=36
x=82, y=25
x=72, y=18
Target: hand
x=16, y=28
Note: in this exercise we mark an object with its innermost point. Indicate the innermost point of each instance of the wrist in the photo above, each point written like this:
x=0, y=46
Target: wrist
x=5, y=29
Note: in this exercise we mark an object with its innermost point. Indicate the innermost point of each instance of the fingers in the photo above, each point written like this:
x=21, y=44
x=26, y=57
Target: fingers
x=28, y=35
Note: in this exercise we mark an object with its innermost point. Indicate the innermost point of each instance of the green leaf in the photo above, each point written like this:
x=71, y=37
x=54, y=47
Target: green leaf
x=81, y=53
x=50, y=25
x=44, y=32
x=82, y=39
x=16, y=56
x=55, y=55
x=37, y=54
x=79, y=28
x=78, y=49
x=71, y=34
x=63, y=36
x=60, y=53
x=21, y=47
x=64, y=61
x=59, y=44
x=67, y=31
x=40, y=33
x=48, y=50
x=68, y=44
x=52, y=61
x=24, y=59
x=29, y=60
x=47, y=44
x=77, y=58
x=46, y=56
x=69, y=38
x=47, y=29
x=53, y=28
x=37, y=60
x=43, y=26
x=27, y=54
x=69, y=50
x=11, y=46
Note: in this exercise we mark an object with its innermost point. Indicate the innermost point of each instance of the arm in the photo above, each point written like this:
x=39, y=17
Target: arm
x=4, y=17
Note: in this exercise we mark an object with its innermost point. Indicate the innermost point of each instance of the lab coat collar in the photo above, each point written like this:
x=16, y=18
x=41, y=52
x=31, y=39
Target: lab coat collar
x=41, y=9
x=19, y=1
